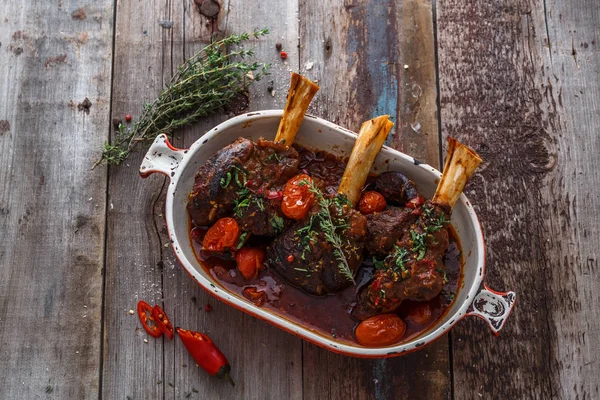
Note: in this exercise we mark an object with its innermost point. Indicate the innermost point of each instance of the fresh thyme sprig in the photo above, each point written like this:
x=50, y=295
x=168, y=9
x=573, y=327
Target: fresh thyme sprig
x=204, y=84
x=329, y=228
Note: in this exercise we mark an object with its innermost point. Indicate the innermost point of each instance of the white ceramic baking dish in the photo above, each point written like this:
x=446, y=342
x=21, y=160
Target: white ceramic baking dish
x=472, y=299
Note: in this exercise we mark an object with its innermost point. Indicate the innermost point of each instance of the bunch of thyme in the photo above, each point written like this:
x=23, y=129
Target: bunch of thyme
x=204, y=84
x=329, y=227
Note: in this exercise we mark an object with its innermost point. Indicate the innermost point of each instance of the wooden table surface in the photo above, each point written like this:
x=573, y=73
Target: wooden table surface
x=518, y=80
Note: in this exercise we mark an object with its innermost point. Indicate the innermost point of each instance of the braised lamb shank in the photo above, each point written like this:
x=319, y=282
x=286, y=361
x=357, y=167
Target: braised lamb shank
x=414, y=269
x=385, y=228
x=322, y=252
x=244, y=179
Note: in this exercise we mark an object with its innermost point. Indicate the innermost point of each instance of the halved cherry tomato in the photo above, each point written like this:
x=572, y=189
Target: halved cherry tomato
x=162, y=321
x=420, y=313
x=206, y=354
x=222, y=235
x=380, y=330
x=249, y=261
x=297, y=197
x=145, y=313
x=371, y=202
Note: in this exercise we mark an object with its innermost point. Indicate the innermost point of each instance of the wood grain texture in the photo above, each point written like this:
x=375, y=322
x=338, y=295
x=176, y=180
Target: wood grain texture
x=266, y=361
x=357, y=52
x=51, y=206
x=519, y=82
x=134, y=249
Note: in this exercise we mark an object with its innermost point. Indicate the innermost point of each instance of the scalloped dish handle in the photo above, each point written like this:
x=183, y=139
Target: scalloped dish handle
x=161, y=157
x=493, y=307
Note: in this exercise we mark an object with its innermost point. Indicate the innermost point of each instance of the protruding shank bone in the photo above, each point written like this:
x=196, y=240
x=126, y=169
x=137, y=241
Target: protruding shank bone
x=299, y=97
x=371, y=136
x=461, y=162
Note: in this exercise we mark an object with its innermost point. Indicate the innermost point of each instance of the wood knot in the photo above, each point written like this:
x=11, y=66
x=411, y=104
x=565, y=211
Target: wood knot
x=208, y=8
x=539, y=158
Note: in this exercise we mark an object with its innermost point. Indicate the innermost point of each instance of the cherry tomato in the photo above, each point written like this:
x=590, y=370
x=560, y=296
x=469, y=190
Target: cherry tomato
x=371, y=202
x=420, y=313
x=380, y=330
x=162, y=321
x=297, y=198
x=145, y=313
x=221, y=236
x=249, y=261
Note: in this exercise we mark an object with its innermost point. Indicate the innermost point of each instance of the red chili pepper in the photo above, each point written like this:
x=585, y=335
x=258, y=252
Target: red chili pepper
x=283, y=55
x=208, y=308
x=206, y=354
x=145, y=314
x=161, y=319
x=128, y=117
x=290, y=258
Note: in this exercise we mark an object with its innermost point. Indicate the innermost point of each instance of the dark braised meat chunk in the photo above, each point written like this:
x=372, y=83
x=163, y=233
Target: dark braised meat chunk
x=414, y=269
x=386, y=228
x=322, y=252
x=244, y=180
x=396, y=188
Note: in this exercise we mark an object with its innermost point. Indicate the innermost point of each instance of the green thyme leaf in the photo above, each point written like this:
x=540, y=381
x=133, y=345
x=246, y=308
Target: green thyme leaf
x=203, y=85
x=224, y=182
x=277, y=223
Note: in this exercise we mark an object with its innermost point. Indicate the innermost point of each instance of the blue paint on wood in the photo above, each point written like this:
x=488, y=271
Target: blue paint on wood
x=382, y=52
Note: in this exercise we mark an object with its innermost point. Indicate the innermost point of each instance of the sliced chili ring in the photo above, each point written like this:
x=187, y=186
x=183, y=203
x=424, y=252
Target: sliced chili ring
x=145, y=314
x=161, y=319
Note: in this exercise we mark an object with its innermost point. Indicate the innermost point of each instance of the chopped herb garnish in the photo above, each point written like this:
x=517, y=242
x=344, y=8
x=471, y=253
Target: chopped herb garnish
x=225, y=181
x=274, y=156
x=434, y=224
x=259, y=203
x=443, y=274
x=399, y=257
x=277, y=223
x=379, y=264
x=242, y=240
x=419, y=245
x=239, y=172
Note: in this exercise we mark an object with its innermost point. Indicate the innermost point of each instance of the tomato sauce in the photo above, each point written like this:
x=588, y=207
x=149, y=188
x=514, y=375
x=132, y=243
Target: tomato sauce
x=328, y=315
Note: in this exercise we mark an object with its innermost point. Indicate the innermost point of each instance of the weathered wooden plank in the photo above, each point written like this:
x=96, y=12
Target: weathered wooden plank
x=519, y=82
x=133, y=368
x=266, y=362
x=52, y=208
x=358, y=52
